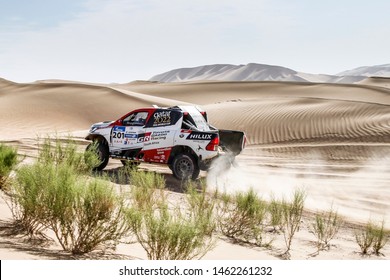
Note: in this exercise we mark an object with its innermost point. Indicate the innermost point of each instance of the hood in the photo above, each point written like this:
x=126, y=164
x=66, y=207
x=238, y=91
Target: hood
x=100, y=125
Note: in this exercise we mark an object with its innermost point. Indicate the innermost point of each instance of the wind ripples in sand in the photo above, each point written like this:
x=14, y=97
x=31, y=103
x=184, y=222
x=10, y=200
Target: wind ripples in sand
x=303, y=120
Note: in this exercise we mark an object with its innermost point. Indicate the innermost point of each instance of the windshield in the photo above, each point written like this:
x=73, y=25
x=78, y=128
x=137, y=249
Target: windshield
x=136, y=119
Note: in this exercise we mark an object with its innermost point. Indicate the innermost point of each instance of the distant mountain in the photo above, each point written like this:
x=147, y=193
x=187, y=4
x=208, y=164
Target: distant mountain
x=228, y=72
x=369, y=71
x=264, y=72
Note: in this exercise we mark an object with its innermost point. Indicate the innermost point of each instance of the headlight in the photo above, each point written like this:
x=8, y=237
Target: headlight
x=93, y=129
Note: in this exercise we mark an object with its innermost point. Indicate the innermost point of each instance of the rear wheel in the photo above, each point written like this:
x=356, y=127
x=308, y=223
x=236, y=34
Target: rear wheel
x=101, y=150
x=185, y=167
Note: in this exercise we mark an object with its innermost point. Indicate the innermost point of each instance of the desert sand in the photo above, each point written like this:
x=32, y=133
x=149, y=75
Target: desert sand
x=331, y=140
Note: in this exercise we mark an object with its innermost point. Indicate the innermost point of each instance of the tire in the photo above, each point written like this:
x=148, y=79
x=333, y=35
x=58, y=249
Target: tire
x=185, y=167
x=102, y=152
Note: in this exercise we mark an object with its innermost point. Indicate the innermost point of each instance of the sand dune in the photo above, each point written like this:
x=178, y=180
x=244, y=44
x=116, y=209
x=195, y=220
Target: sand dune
x=333, y=140
x=278, y=120
x=29, y=109
x=209, y=92
x=377, y=82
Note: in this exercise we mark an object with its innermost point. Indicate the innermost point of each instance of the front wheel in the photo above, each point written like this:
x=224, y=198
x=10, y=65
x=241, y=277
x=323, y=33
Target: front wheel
x=184, y=167
x=102, y=153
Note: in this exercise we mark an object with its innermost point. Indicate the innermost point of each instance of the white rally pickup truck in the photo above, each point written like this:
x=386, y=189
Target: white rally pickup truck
x=179, y=136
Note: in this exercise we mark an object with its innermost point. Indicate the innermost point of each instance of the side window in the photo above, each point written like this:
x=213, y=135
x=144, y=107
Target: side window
x=188, y=122
x=163, y=117
x=136, y=119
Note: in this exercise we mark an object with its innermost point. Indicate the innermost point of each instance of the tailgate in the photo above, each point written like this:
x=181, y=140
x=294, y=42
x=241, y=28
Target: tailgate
x=232, y=141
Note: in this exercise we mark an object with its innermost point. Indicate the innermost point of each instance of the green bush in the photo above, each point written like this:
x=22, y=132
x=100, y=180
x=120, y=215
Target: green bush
x=201, y=205
x=8, y=161
x=146, y=180
x=380, y=238
x=54, y=193
x=30, y=194
x=65, y=151
x=325, y=227
x=371, y=235
x=91, y=158
x=365, y=237
x=164, y=231
x=242, y=217
x=292, y=215
x=148, y=187
x=275, y=211
x=83, y=213
x=87, y=215
x=58, y=166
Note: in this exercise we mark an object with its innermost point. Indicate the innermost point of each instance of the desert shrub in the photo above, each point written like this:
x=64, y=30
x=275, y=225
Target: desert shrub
x=83, y=213
x=59, y=164
x=146, y=180
x=86, y=215
x=201, y=205
x=365, y=237
x=53, y=193
x=8, y=161
x=380, y=238
x=275, y=211
x=57, y=151
x=91, y=158
x=371, y=235
x=242, y=217
x=148, y=186
x=168, y=233
x=29, y=195
x=325, y=227
x=292, y=215
x=122, y=176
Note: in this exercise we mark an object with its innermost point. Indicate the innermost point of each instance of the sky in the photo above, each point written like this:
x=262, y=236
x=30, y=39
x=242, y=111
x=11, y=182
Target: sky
x=118, y=41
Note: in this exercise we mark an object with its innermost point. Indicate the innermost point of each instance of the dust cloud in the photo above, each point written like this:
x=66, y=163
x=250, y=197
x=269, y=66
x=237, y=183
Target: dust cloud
x=359, y=191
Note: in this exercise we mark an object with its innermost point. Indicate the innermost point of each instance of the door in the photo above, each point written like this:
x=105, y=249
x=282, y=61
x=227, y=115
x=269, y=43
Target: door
x=160, y=133
x=130, y=135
